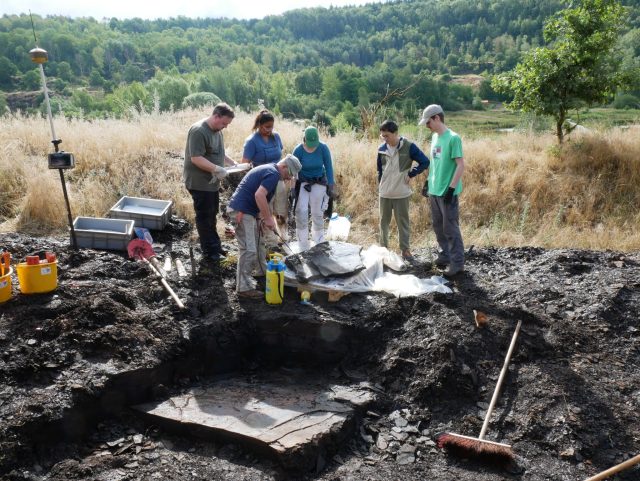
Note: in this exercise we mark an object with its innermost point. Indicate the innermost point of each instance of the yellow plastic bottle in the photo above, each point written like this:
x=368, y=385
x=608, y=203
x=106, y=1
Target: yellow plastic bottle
x=274, y=292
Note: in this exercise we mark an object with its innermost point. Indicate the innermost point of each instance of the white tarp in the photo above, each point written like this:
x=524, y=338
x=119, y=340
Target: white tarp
x=373, y=277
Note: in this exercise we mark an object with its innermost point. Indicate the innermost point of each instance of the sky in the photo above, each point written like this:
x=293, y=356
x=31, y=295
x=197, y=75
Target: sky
x=152, y=9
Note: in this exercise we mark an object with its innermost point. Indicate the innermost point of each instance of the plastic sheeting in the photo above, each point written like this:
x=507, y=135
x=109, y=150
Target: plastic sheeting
x=327, y=259
x=373, y=277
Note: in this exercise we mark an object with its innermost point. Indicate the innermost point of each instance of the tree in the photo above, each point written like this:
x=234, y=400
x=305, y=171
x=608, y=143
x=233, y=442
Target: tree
x=369, y=113
x=171, y=91
x=7, y=71
x=64, y=71
x=32, y=80
x=278, y=91
x=95, y=78
x=575, y=69
x=132, y=73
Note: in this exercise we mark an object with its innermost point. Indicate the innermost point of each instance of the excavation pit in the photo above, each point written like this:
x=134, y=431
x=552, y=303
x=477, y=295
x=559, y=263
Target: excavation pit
x=73, y=362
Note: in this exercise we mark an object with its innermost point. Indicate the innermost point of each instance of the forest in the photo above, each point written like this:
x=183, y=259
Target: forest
x=329, y=65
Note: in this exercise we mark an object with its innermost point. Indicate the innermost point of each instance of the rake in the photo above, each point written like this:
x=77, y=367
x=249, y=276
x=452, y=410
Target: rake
x=479, y=447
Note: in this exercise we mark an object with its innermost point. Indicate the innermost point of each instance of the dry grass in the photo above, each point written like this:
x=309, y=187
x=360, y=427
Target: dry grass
x=520, y=189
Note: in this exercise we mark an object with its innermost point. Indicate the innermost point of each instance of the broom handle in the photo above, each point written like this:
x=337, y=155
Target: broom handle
x=617, y=468
x=503, y=373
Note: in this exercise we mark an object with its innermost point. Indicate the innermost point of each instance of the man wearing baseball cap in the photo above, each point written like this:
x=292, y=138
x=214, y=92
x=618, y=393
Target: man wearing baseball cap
x=249, y=211
x=444, y=185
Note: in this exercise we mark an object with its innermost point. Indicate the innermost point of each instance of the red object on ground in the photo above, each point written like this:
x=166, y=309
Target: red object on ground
x=139, y=249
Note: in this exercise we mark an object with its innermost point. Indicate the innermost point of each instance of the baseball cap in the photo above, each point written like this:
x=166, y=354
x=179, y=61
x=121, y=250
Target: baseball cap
x=429, y=112
x=293, y=164
x=311, y=137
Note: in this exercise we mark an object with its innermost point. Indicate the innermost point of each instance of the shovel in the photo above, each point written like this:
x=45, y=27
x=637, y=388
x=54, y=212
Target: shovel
x=141, y=250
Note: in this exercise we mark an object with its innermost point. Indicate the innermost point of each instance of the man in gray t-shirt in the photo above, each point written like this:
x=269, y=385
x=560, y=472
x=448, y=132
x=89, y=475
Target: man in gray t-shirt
x=204, y=161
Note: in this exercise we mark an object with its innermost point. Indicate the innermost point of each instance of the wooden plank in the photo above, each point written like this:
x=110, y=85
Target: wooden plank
x=333, y=295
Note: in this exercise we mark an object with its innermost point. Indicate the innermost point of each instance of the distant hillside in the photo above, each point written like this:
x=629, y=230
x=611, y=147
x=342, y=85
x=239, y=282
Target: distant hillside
x=347, y=54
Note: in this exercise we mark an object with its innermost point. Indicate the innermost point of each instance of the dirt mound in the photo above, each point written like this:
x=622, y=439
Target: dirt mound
x=74, y=360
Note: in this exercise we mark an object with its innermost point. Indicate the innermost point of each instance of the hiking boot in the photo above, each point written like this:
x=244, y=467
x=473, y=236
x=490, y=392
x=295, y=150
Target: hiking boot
x=442, y=261
x=214, y=257
x=409, y=258
x=251, y=294
x=452, y=271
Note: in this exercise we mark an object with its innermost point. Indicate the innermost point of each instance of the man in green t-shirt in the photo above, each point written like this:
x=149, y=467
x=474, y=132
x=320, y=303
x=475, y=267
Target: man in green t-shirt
x=444, y=187
x=204, y=161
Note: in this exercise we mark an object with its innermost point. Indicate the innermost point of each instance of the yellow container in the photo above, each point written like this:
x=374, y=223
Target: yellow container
x=274, y=292
x=5, y=286
x=37, y=278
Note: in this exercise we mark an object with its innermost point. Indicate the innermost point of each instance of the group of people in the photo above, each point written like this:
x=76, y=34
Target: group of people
x=262, y=195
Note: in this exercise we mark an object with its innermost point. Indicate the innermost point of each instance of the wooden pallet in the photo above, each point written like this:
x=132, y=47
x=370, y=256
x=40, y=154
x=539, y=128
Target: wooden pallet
x=333, y=295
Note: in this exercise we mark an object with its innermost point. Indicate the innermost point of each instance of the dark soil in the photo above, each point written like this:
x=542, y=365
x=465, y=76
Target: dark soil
x=74, y=360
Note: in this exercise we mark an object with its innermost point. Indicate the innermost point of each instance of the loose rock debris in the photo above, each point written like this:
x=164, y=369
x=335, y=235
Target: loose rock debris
x=73, y=362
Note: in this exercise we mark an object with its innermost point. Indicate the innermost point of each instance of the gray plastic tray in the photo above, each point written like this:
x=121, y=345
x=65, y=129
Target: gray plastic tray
x=150, y=213
x=97, y=233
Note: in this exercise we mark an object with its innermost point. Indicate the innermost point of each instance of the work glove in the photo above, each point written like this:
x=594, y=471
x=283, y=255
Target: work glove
x=425, y=189
x=221, y=172
x=448, y=196
x=332, y=191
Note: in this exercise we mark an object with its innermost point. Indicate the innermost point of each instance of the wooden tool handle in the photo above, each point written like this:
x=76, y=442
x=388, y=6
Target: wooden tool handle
x=154, y=261
x=175, y=297
x=165, y=284
x=615, y=469
x=503, y=373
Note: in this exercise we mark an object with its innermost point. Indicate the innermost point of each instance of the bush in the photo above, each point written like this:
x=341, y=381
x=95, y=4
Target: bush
x=3, y=104
x=626, y=101
x=200, y=99
x=476, y=104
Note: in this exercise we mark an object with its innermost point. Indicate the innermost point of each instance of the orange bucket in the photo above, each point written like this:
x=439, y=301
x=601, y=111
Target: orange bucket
x=37, y=278
x=5, y=286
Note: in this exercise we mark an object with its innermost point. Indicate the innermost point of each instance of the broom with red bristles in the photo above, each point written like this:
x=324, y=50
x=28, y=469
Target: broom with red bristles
x=468, y=446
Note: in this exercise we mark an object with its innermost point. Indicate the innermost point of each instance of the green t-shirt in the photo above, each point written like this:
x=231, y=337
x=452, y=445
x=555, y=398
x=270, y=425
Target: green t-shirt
x=204, y=142
x=445, y=149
